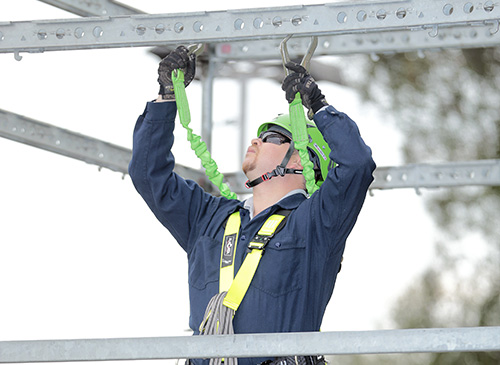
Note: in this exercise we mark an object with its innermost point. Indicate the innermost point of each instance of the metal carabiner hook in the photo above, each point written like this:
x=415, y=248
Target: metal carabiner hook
x=195, y=49
x=306, y=60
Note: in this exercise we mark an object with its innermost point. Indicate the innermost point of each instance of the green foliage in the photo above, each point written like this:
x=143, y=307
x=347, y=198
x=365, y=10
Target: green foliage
x=446, y=105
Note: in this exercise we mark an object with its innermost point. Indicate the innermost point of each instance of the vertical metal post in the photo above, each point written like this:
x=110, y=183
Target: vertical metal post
x=243, y=118
x=207, y=99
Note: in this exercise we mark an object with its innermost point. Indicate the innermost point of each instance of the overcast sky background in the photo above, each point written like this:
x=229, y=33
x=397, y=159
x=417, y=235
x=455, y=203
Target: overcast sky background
x=81, y=255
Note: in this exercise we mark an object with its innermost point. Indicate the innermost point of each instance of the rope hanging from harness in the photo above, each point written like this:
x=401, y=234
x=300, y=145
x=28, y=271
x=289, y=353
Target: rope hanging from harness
x=197, y=145
x=218, y=320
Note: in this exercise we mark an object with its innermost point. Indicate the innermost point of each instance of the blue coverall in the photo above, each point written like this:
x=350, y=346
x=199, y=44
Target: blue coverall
x=296, y=276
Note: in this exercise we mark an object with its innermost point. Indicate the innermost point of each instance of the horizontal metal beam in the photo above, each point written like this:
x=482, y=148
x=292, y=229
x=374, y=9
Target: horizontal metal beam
x=78, y=146
x=94, y=7
x=397, y=41
x=91, y=150
x=472, y=339
x=248, y=24
x=449, y=174
x=64, y=142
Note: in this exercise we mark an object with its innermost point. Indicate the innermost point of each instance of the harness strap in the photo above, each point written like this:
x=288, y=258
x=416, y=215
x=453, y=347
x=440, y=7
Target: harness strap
x=278, y=171
x=257, y=245
x=218, y=318
x=228, y=250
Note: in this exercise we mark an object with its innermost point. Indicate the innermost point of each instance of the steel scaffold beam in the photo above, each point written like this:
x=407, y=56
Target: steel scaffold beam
x=472, y=339
x=430, y=16
x=78, y=146
x=396, y=41
x=479, y=173
x=94, y=7
x=64, y=142
x=91, y=150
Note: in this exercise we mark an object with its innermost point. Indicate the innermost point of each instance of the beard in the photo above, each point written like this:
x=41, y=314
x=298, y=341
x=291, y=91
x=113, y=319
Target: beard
x=247, y=167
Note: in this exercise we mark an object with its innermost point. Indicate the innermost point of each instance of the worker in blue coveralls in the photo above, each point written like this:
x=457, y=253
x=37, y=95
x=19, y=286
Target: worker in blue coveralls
x=294, y=280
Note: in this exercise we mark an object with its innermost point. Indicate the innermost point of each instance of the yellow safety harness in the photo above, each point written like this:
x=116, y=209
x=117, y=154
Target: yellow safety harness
x=237, y=288
x=218, y=318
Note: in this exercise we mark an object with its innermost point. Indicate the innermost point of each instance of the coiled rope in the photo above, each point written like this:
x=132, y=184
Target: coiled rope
x=218, y=320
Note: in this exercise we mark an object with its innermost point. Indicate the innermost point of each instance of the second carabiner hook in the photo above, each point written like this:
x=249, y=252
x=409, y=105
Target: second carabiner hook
x=306, y=60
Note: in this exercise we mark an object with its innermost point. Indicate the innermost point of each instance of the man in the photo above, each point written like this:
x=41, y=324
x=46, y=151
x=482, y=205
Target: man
x=294, y=280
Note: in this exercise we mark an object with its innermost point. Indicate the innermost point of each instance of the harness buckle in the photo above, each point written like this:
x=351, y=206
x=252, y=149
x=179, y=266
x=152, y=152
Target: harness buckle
x=259, y=242
x=280, y=170
x=266, y=176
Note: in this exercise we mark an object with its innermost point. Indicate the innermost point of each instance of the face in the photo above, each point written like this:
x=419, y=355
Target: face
x=265, y=153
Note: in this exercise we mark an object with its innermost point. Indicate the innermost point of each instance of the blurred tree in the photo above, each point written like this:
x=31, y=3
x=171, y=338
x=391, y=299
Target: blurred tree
x=446, y=104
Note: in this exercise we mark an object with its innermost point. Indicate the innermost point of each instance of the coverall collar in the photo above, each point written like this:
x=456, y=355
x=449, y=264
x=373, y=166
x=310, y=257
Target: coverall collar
x=248, y=203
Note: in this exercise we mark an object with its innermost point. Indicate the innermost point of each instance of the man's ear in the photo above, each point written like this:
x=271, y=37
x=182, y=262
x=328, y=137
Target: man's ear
x=295, y=162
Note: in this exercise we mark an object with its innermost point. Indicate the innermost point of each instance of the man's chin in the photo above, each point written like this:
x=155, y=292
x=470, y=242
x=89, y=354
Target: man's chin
x=247, y=168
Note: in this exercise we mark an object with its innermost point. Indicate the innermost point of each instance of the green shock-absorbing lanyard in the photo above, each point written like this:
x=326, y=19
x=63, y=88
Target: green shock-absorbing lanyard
x=301, y=139
x=197, y=145
x=297, y=117
x=299, y=135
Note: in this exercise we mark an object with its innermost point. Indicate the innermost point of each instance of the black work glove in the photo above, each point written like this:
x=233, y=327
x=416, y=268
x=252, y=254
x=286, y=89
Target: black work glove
x=179, y=58
x=300, y=81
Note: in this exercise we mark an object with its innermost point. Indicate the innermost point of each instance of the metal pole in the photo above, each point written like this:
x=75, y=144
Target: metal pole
x=473, y=339
x=243, y=118
x=207, y=99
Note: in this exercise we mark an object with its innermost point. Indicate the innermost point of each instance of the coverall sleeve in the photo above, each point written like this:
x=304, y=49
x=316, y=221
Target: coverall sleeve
x=339, y=200
x=177, y=203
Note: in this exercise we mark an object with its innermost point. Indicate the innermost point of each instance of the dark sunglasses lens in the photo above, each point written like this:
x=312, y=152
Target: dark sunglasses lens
x=275, y=138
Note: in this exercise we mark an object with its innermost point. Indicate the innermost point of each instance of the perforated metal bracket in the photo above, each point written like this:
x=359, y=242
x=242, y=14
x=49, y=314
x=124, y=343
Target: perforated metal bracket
x=430, y=16
x=481, y=172
x=397, y=41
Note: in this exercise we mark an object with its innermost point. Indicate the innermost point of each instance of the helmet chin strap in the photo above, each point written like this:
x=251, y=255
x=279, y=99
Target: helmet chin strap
x=280, y=170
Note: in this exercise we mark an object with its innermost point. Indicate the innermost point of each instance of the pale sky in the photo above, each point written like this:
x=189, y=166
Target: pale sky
x=81, y=255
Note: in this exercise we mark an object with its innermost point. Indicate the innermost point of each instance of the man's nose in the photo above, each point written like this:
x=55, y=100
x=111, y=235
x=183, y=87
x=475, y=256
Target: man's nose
x=256, y=141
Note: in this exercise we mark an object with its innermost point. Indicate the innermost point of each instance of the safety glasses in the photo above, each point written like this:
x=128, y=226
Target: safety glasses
x=274, y=137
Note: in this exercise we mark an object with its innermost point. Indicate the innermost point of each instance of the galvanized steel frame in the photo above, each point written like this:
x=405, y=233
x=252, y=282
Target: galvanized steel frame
x=364, y=19
x=103, y=154
x=390, y=26
x=364, y=27
x=472, y=339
